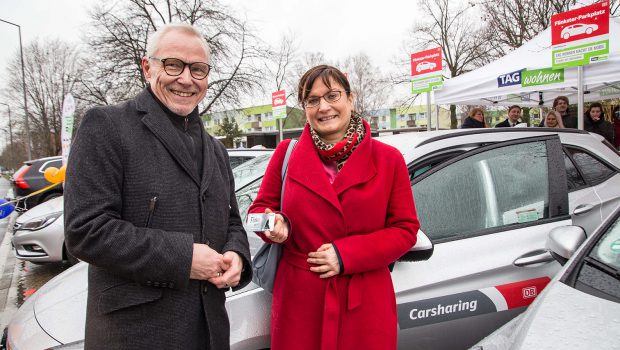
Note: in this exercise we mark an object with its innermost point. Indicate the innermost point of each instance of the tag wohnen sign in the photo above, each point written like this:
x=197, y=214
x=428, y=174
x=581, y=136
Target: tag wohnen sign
x=580, y=37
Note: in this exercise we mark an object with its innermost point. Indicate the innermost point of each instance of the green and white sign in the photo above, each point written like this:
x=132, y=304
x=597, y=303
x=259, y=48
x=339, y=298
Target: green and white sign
x=543, y=76
x=427, y=84
x=581, y=55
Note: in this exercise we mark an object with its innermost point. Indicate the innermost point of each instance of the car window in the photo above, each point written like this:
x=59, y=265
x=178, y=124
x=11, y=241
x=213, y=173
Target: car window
x=245, y=197
x=250, y=170
x=235, y=161
x=56, y=163
x=600, y=272
x=496, y=187
x=573, y=177
x=593, y=170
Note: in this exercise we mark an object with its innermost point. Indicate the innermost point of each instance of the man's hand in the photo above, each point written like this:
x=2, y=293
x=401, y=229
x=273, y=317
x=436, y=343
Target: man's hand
x=207, y=263
x=232, y=275
x=326, y=259
x=280, y=229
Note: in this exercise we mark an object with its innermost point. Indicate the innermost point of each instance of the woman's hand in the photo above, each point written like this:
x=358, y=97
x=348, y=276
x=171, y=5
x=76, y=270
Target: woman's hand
x=280, y=229
x=326, y=259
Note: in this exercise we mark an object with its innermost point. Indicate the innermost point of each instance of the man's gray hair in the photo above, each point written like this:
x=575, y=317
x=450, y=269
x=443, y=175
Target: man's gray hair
x=152, y=42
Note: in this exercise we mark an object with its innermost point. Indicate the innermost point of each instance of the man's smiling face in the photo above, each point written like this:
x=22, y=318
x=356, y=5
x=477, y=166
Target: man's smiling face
x=182, y=93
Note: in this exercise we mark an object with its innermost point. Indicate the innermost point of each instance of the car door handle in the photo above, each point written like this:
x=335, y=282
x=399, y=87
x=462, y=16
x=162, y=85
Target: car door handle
x=582, y=209
x=534, y=257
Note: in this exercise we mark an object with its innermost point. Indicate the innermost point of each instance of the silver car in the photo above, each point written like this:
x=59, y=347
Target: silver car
x=580, y=308
x=487, y=199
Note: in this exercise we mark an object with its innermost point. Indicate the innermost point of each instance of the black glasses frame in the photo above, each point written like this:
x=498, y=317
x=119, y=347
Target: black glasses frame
x=163, y=61
x=306, y=103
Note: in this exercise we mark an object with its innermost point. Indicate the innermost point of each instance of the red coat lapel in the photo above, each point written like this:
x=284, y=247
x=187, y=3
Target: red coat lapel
x=359, y=168
x=305, y=167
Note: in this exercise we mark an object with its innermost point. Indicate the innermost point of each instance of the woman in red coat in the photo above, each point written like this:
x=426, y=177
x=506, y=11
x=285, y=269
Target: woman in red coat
x=347, y=213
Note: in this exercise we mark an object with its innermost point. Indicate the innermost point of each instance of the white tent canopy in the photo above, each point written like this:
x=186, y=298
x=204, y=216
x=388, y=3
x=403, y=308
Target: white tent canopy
x=480, y=87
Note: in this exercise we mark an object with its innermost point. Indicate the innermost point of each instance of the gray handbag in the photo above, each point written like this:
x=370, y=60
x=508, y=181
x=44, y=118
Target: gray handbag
x=265, y=262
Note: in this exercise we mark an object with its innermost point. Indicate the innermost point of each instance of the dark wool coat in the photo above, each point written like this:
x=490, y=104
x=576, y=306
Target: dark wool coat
x=504, y=124
x=134, y=205
x=470, y=123
x=601, y=127
x=369, y=214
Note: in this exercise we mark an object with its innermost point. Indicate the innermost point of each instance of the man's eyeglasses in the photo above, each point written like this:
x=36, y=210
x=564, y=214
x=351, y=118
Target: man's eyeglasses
x=330, y=97
x=174, y=67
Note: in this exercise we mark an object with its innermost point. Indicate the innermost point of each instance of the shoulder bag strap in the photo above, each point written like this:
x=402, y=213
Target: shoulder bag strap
x=289, y=150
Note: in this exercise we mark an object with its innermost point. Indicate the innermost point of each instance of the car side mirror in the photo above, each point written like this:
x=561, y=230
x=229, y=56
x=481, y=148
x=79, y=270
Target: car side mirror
x=564, y=241
x=422, y=250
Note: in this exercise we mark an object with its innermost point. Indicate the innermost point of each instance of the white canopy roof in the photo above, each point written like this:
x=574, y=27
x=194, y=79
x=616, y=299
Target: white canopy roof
x=480, y=87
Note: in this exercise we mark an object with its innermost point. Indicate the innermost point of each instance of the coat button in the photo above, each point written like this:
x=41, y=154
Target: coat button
x=149, y=283
x=204, y=197
x=205, y=289
x=155, y=284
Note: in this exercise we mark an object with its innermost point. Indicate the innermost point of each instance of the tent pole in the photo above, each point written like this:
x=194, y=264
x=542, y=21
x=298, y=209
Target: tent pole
x=580, y=97
x=436, y=116
x=429, y=117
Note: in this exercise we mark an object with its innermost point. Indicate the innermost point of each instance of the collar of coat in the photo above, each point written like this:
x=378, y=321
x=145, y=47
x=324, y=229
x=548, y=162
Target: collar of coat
x=306, y=168
x=156, y=120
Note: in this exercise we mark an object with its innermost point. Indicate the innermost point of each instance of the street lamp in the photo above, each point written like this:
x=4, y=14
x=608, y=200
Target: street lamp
x=10, y=150
x=21, y=51
x=10, y=134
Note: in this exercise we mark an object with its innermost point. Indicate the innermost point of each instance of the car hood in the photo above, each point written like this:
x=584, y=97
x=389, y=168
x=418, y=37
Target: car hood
x=61, y=302
x=562, y=317
x=52, y=206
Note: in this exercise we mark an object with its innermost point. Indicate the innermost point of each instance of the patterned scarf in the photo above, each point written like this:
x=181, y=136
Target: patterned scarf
x=341, y=151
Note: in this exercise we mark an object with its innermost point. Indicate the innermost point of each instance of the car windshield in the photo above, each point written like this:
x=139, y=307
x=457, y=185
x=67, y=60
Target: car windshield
x=607, y=249
x=250, y=170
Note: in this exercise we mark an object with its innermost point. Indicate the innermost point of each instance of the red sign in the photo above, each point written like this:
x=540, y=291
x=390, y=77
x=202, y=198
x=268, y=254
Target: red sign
x=582, y=23
x=427, y=61
x=278, y=98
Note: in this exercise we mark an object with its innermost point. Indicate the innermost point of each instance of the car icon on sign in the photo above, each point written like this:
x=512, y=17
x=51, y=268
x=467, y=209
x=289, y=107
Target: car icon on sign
x=425, y=66
x=577, y=29
x=278, y=101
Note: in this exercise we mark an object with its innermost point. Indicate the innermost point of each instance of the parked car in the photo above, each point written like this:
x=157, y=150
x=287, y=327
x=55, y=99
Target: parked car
x=38, y=234
x=580, y=307
x=29, y=179
x=239, y=156
x=486, y=199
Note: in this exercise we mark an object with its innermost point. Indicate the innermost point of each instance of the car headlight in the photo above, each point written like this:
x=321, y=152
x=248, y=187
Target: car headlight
x=40, y=222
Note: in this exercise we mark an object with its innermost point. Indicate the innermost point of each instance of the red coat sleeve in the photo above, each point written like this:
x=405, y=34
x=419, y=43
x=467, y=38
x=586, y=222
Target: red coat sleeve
x=378, y=249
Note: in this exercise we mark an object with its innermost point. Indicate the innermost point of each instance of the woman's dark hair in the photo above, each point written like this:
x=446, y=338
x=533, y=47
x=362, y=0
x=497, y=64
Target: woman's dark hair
x=324, y=72
x=595, y=105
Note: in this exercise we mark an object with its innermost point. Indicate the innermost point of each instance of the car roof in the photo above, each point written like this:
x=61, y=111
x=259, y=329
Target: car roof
x=31, y=161
x=248, y=152
x=414, y=145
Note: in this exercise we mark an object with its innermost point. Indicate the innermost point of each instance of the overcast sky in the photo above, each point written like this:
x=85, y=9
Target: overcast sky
x=336, y=28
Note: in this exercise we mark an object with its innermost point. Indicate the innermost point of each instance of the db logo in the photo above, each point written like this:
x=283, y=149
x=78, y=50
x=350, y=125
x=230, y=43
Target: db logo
x=529, y=292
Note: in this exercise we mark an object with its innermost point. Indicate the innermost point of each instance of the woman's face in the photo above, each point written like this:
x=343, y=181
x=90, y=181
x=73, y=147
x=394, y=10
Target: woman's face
x=595, y=113
x=329, y=120
x=552, y=121
x=479, y=116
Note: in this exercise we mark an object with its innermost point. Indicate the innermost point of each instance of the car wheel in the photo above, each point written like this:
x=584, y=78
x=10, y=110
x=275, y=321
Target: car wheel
x=589, y=31
x=72, y=260
x=566, y=36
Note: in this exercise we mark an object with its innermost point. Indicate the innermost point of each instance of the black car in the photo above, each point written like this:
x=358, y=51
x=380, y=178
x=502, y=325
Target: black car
x=29, y=179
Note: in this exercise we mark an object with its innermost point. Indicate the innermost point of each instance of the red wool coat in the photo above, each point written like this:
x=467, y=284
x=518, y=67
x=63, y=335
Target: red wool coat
x=369, y=214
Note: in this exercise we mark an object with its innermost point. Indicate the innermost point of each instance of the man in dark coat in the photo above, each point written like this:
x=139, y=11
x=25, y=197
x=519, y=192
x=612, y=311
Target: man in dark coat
x=150, y=205
x=560, y=105
x=514, y=113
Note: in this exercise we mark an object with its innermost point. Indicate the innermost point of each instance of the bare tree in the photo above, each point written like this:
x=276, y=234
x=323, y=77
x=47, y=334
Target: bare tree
x=452, y=27
x=511, y=23
x=369, y=88
x=52, y=70
x=118, y=41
